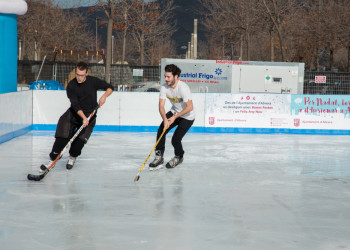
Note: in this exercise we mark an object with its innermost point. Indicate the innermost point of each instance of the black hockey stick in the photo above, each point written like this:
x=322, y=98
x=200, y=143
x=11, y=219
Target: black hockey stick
x=33, y=177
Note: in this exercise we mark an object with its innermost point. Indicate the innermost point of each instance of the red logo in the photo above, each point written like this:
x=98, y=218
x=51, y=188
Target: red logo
x=296, y=122
x=211, y=120
x=247, y=98
x=320, y=79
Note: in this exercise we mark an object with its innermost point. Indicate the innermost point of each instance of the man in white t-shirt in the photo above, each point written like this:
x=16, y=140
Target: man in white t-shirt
x=181, y=115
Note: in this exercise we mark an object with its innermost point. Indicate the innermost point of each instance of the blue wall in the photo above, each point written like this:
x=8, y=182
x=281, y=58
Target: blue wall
x=8, y=53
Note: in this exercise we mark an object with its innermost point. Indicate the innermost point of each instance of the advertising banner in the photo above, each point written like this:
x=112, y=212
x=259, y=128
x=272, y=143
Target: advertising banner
x=203, y=75
x=321, y=112
x=248, y=110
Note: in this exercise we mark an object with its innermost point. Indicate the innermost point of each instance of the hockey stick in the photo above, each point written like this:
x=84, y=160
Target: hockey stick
x=42, y=64
x=137, y=177
x=33, y=177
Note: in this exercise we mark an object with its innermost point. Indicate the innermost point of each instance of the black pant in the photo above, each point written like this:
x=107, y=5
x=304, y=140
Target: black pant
x=67, y=125
x=183, y=126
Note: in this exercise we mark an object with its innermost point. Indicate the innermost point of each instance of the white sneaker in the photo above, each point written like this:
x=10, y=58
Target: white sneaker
x=71, y=161
x=44, y=167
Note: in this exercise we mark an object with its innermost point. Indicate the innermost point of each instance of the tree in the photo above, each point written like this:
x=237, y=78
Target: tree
x=323, y=32
x=124, y=22
x=278, y=12
x=144, y=21
x=335, y=27
x=46, y=26
x=150, y=22
x=234, y=21
x=218, y=23
x=109, y=10
x=344, y=28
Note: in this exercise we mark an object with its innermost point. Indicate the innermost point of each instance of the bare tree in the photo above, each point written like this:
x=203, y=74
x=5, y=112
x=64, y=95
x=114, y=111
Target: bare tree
x=144, y=21
x=215, y=21
x=34, y=28
x=321, y=32
x=150, y=21
x=344, y=28
x=278, y=11
x=109, y=10
x=334, y=27
x=46, y=26
x=247, y=20
x=234, y=21
x=124, y=22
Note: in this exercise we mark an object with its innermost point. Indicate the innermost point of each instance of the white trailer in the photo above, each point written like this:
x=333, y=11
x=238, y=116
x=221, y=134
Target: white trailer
x=222, y=76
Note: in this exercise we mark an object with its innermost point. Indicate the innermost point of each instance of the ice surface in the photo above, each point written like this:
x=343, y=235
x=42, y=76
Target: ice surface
x=233, y=191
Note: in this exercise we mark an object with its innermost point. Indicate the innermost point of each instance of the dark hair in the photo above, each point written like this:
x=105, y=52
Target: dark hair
x=82, y=66
x=173, y=69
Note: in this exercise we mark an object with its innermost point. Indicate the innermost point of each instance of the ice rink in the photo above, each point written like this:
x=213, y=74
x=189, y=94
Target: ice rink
x=233, y=191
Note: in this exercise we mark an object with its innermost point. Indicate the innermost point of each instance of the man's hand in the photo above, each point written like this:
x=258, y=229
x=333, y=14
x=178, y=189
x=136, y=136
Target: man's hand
x=83, y=117
x=171, y=120
x=166, y=123
x=102, y=100
x=85, y=122
x=104, y=97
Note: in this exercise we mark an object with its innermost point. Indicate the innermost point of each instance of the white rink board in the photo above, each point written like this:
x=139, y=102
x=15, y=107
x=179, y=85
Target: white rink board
x=15, y=114
x=120, y=109
x=135, y=111
x=49, y=105
x=139, y=108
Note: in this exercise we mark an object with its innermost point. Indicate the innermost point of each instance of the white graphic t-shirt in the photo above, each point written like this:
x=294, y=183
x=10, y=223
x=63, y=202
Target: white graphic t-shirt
x=178, y=97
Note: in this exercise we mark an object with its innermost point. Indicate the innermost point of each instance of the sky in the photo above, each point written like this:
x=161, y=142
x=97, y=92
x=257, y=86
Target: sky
x=75, y=3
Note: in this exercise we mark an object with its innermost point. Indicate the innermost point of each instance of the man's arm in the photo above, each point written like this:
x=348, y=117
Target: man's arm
x=83, y=117
x=102, y=101
x=189, y=108
x=103, y=98
x=162, y=112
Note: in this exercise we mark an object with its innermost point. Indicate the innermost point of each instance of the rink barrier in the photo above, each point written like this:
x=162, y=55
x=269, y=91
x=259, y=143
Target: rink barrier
x=16, y=133
x=16, y=114
x=106, y=128
x=276, y=131
x=215, y=113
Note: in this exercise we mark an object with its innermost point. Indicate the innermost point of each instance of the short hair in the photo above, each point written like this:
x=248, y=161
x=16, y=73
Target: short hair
x=173, y=69
x=82, y=66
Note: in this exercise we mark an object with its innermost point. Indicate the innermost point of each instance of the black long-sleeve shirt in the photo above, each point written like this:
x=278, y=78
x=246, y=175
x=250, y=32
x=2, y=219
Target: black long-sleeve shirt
x=83, y=96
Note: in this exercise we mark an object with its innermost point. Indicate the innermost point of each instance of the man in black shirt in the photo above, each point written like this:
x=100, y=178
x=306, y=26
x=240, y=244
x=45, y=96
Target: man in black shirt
x=82, y=93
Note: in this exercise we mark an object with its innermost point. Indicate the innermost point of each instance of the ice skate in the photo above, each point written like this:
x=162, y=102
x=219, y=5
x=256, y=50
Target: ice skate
x=71, y=161
x=174, y=162
x=157, y=163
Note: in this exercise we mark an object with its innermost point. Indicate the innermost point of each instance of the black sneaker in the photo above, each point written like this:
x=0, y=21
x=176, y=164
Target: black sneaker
x=71, y=161
x=158, y=161
x=175, y=161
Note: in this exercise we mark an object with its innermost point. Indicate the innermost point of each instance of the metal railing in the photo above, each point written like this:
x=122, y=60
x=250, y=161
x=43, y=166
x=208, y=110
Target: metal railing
x=123, y=77
x=147, y=78
x=326, y=83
